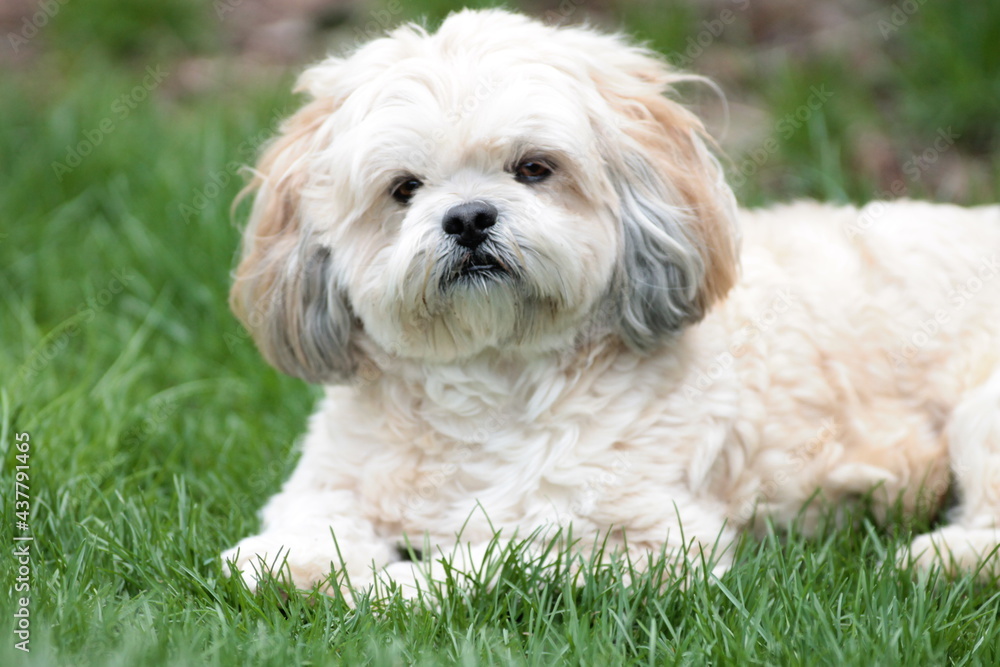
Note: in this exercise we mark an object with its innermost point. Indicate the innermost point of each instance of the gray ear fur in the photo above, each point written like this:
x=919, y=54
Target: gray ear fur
x=680, y=241
x=307, y=329
x=286, y=288
x=661, y=269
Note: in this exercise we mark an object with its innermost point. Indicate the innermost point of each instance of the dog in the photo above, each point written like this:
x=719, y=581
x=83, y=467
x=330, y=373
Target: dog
x=511, y=258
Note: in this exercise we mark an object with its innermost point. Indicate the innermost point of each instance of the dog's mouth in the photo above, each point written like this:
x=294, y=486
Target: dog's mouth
x=479, y=266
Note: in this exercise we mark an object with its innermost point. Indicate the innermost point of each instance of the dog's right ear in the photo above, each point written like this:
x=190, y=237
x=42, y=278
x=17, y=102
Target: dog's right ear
x=680, y=235
x=285, y=289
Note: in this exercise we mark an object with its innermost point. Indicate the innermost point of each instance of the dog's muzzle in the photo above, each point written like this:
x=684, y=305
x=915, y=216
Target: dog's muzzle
x=475, y=257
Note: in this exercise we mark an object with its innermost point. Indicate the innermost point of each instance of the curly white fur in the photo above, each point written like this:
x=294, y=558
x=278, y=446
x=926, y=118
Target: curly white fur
x=612, y=372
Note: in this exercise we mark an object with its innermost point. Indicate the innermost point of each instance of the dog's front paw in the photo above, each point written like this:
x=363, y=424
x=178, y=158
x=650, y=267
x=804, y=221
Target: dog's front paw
x=283, y=557
x=407, y=577
x=955, y=550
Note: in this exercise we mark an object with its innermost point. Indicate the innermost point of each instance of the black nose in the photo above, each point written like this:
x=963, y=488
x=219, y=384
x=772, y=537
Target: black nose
x=468, y=222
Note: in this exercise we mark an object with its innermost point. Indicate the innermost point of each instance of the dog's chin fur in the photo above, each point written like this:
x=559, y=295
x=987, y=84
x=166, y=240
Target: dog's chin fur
x=593, y=360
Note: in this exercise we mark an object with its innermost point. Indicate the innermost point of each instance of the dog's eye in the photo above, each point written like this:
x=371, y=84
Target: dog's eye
x=532, y=171
x=405, y=190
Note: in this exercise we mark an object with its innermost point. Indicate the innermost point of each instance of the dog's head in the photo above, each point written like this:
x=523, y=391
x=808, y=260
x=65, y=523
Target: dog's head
x=497, y=185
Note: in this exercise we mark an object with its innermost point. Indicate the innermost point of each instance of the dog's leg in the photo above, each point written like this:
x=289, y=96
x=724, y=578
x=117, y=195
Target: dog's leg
x=466, y=564
x=307, y=534
x=313, y=527
x=690, y=534
x=694, y=541
x=971, y=539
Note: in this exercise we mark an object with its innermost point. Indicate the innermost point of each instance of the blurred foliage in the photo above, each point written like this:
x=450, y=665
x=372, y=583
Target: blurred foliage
x=947, y=71
x=134, y=28
x=899, y=73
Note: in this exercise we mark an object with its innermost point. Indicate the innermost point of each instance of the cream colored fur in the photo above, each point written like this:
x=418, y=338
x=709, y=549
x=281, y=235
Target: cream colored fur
x=617, y=379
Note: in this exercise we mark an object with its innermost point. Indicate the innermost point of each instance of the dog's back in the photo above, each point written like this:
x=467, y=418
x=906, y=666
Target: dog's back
x=893, y=313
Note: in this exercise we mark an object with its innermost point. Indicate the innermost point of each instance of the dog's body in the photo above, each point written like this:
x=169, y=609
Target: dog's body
x=579, y=373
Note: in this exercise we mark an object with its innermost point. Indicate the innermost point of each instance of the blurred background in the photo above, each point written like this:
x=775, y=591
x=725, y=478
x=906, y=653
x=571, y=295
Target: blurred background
x=901, y=97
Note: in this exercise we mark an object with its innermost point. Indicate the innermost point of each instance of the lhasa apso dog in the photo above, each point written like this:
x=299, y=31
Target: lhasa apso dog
x=511, y=259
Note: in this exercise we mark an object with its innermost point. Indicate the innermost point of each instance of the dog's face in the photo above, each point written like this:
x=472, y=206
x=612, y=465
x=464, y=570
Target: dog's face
x=499, y=185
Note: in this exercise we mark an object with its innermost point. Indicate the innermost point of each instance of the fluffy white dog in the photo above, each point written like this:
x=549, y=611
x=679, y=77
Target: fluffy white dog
x=513, y=262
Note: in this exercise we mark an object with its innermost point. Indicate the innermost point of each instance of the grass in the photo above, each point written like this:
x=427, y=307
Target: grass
x=157, y=431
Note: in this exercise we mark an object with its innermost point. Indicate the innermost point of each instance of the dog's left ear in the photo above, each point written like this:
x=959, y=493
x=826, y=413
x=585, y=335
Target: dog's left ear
x=678, y=216
x=285, y=289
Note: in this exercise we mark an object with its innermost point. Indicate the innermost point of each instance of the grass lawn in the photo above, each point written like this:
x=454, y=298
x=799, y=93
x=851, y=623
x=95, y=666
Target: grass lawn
x=156, y=431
